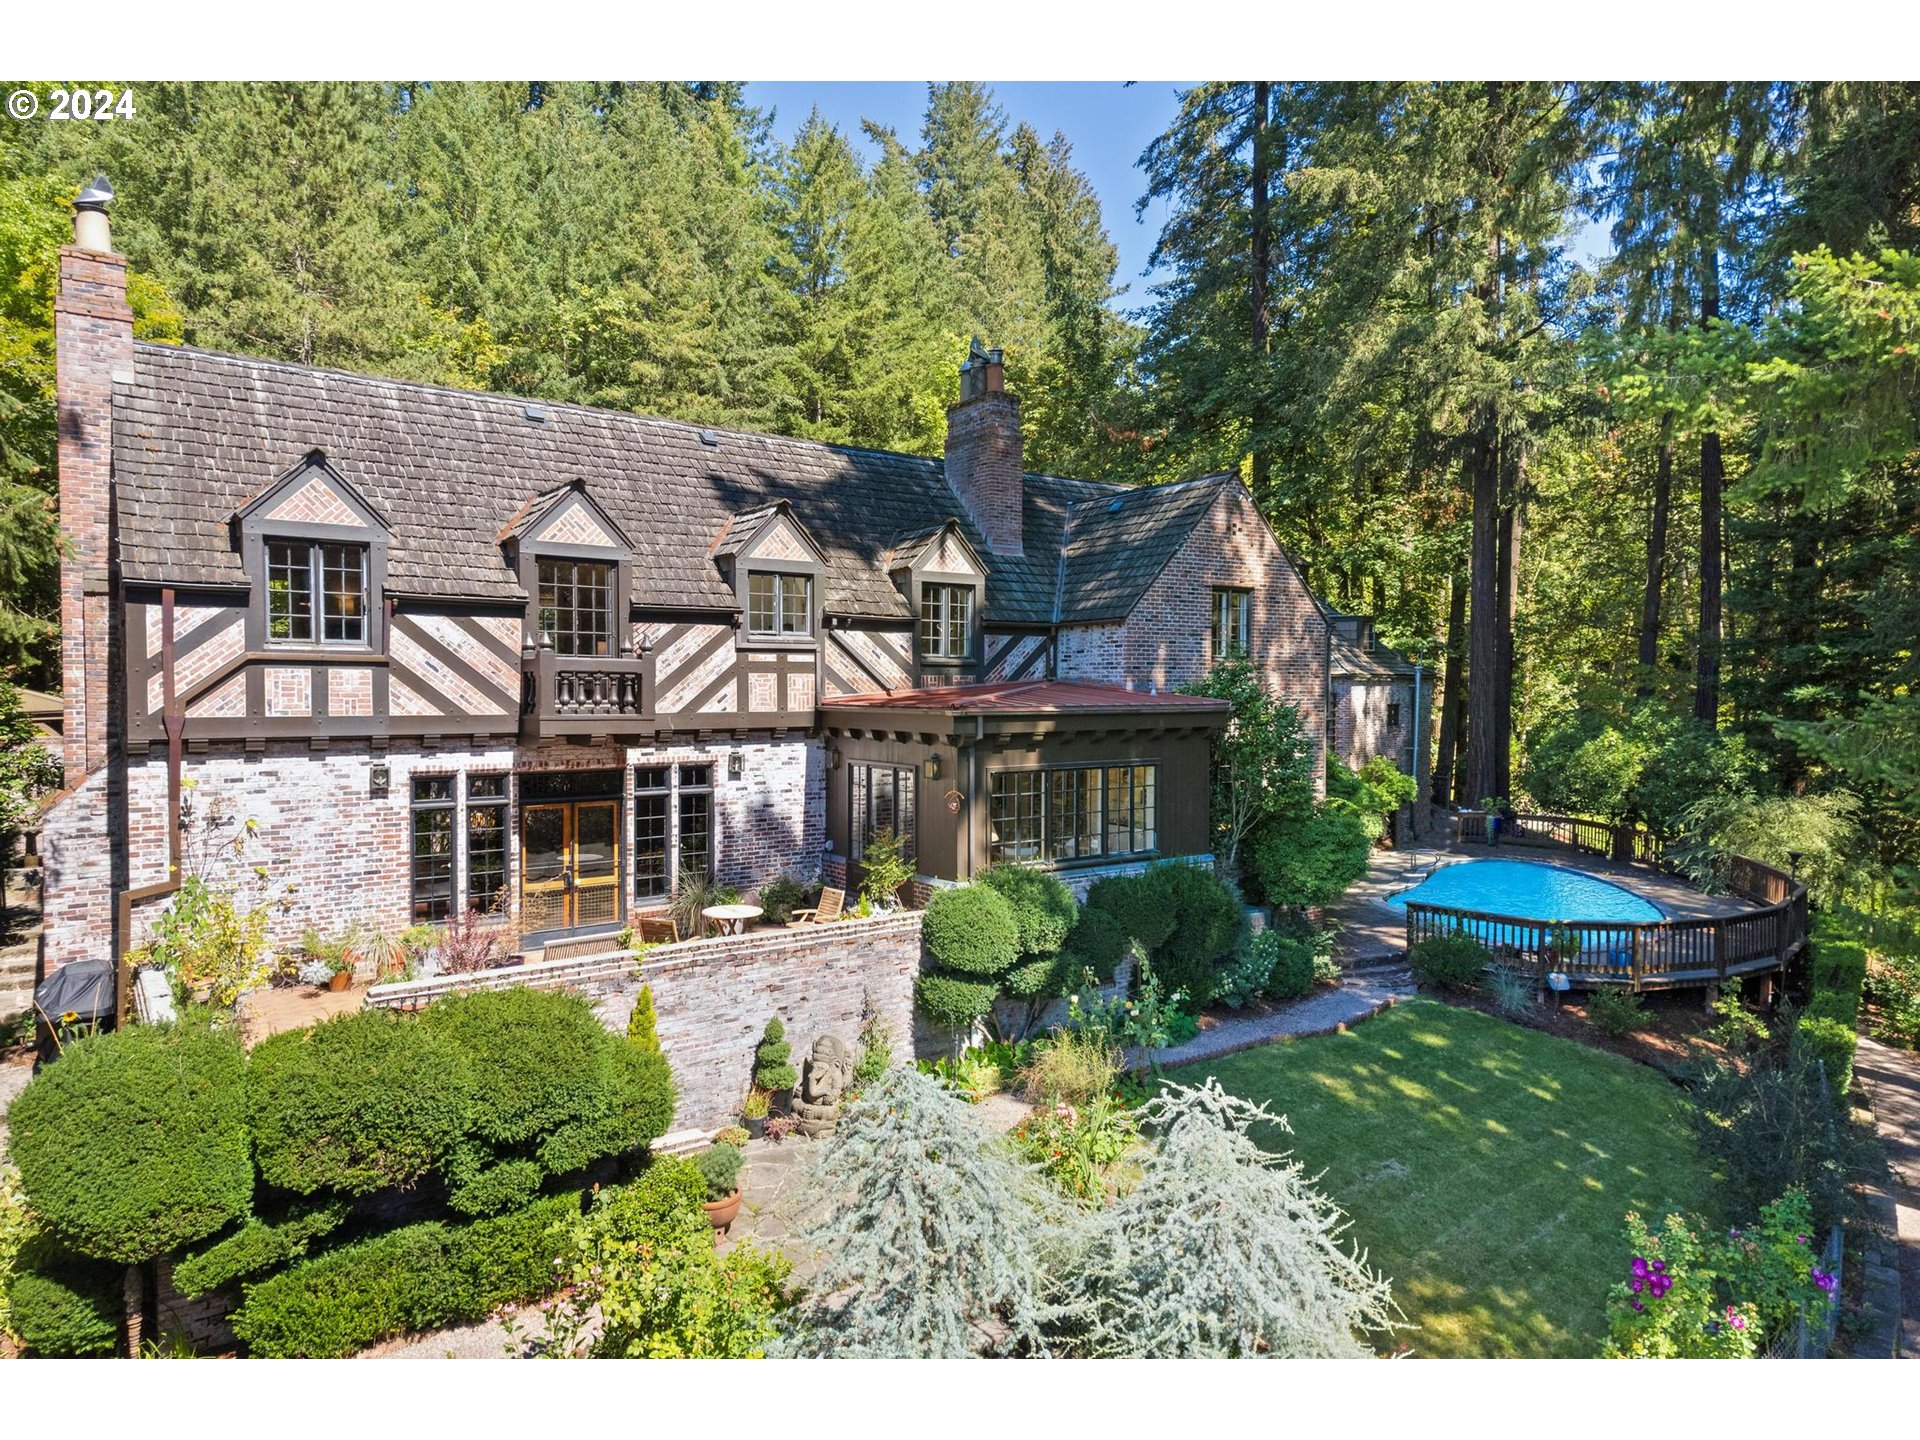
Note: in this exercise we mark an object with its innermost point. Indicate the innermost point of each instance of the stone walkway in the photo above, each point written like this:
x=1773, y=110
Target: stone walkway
x=1890, y=1081
x=14, y=1076
x=1372, y=930
x=1361, y=995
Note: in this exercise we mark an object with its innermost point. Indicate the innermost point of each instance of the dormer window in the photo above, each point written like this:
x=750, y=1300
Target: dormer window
x=316, y=593
x=576, y=605
x=946, y=622
x=779, y=605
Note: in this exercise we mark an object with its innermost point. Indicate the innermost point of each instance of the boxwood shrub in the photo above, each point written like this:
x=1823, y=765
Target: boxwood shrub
x=1207, y=919
x=1828, y=1028
x=258, y=1245
x=134, y=1142
x=1097, y=942
x=953, y=999
x=1450, y=962
x=1043, y=907
x=1293, y=971
x=64, y=1305
x=413, y=1278
x=971, y=929
x=364, y=1102
x=1138, y=903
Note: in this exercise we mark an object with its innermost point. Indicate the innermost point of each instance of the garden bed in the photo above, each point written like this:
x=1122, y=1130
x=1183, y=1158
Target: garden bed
x=1485, y=1166
x=1671, y=1036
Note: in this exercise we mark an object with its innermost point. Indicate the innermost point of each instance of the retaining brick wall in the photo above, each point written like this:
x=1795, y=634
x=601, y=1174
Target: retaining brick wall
x=714, y=997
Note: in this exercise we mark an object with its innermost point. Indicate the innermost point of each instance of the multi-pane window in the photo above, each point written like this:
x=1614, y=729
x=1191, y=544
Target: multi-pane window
x=946, y=622
x=779, y=605
x=652, y=826
x=1131, y=810
x=486, y=842
x=308, y=581
x=1073, y=814
x=696, y=819
x=1014, y=812
x=880, y=798
x=1077, y=813
x=576, y=606
x=433, y=816
x=1232, y=618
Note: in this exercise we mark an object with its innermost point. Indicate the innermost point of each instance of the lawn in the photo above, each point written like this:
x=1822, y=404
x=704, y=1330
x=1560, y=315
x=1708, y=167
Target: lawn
x=1486, y=1167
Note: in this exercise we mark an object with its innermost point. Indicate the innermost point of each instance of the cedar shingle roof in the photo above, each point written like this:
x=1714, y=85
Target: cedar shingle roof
x=198, y=432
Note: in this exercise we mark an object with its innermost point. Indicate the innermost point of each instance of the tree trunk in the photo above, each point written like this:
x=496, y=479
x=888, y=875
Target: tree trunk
x=1656, y=561
x=1260, y=261
x=1706, y=682
x=1453, y=700
x=1483, y=617
x=1511, y=521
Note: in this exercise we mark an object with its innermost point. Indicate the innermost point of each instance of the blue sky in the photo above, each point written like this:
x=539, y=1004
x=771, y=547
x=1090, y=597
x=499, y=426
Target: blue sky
x=1109, y=124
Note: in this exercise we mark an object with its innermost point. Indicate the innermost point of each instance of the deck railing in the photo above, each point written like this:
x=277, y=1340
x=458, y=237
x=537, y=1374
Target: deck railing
x=1642, y=955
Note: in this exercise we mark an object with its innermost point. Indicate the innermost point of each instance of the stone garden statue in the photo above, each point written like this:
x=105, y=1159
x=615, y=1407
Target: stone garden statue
x=823, y=1086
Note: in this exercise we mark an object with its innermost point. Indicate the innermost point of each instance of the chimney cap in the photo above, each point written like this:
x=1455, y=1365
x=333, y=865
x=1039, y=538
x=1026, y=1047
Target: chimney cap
x=96, y=196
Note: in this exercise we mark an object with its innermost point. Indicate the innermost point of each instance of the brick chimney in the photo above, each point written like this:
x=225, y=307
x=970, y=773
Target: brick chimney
x=93, y=340
x=984, y=451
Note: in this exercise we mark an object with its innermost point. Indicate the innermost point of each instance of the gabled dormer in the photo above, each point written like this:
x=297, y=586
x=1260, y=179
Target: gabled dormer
x=576, y=565
x=315, y=552
x=777, y=571
x=944, y=580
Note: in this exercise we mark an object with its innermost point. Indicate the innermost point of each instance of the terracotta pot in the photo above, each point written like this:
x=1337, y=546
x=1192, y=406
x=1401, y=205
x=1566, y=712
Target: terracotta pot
x=720, y=1213
x=340, y=980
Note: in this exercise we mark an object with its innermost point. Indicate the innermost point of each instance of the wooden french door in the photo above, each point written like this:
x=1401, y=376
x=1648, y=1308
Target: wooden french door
x=569, y=865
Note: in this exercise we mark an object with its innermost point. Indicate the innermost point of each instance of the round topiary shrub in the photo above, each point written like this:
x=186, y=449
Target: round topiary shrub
x=1292, y=973
x=360, y=1103
x=134, y=1143
x=1138, y=902
x=952, y=999
x=1097, y=942
x=62, y=1305
x=971, y=929
x=1208, y=918
x=1043, y=907
x=1450, y=962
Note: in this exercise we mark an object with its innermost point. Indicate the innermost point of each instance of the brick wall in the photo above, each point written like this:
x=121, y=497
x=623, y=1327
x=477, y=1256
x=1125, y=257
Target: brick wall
x=79, y=881
x=1168, y=638
x=984, y=466
x=714, y=997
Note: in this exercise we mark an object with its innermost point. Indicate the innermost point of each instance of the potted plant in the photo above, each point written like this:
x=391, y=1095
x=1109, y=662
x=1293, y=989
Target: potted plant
x=383, y=949
x=340, y=971
x=772, y=1070
x=753, y=1113
x=720, y=1168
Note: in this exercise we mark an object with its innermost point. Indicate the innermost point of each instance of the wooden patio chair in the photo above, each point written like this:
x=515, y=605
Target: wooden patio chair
x=657, y=930
x=832, y=903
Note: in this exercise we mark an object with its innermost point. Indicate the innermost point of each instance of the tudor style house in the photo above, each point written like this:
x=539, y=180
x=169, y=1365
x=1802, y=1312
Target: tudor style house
x=456, y=651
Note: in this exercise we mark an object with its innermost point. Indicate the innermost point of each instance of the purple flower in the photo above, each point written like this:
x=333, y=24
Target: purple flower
x=1801, y=1238
x=1734, y=1234
x=1825, y=1281
x=1659, y=1265
x=1636, y=1284
x=1639, y=1268
x=1638, y=1306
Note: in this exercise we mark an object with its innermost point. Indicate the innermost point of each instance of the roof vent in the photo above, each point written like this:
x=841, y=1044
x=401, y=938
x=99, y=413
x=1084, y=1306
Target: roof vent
x=709, y=437
x=536, y=413
x=1114, y=508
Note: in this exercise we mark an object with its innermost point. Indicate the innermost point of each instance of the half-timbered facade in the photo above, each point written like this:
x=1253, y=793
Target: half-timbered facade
x=459, y=651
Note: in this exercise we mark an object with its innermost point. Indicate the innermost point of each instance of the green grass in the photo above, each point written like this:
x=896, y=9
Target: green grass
x=1486, y=1167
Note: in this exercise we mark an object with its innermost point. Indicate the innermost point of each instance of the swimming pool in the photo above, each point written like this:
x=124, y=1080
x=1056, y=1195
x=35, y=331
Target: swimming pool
x=1527, y=891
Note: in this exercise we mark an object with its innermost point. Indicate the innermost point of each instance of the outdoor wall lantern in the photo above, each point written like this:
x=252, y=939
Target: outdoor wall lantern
x=833, y=762
x=933, y=767
x=736, y=765
x=379, y=780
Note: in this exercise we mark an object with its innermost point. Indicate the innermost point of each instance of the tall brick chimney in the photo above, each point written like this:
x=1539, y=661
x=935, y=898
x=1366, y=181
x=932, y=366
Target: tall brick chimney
x=93, y=340
x=984, y=451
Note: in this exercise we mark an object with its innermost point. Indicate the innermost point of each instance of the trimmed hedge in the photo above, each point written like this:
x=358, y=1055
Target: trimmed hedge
x=1208, y=918
x=1043, y=907
x=971, y=929
x=1451, y=962
x=134, y=1142
x=364, y=1102
x=414, y=1278
x=1097, y=942
x=952, y=999
x=1828, y=1028
x=1293, y=971
x=258, y=1245
x=64, y=1305
x=1138, y=903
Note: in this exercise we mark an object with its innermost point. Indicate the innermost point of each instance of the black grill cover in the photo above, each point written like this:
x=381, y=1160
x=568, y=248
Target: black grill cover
x=84, y=988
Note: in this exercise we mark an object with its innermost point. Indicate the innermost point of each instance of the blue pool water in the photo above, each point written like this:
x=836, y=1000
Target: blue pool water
x=1527, y=891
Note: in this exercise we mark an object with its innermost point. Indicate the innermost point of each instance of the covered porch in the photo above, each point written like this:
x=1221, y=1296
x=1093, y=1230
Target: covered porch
x=1081, y=778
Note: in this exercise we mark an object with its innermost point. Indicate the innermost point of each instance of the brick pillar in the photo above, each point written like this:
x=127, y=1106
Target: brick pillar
x=93, y=336
x=985, y=452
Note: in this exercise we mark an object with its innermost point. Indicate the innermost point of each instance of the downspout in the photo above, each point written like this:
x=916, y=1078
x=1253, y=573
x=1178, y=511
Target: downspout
x=174, y=722
x=973, y=785
x=1414, y=747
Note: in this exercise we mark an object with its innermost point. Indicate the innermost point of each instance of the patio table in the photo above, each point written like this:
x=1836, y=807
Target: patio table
x=732, y=919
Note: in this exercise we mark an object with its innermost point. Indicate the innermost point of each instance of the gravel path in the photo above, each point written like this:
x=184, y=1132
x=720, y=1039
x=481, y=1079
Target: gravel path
x=1360, y=996
x=13, y=1079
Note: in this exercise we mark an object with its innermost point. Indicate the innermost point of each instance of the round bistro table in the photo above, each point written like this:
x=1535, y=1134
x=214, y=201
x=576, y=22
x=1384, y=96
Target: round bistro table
x=732, y=919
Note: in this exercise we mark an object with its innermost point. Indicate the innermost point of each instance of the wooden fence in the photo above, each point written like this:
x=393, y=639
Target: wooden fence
x=1640, y=955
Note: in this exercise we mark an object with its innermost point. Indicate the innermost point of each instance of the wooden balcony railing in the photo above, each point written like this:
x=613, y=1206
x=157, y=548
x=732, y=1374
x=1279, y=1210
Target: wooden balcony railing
x=584, y=694
x=1642, y=955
